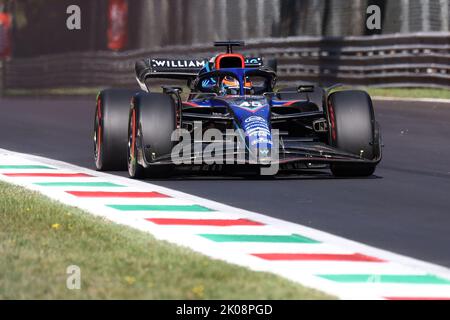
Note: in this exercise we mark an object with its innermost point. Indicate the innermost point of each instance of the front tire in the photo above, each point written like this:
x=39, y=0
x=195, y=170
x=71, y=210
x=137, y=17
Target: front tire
x=152, y=120
x=353, y=129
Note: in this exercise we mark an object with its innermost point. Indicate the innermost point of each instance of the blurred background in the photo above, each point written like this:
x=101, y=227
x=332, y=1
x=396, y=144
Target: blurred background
x=323, y=41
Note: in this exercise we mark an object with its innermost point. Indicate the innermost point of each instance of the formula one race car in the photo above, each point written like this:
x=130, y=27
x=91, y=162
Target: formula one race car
x=232, y=116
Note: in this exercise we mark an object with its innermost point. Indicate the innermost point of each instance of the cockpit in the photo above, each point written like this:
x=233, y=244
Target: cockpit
x=230, y=81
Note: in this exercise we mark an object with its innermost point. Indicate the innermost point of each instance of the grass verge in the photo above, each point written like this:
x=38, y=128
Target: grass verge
x=40, y=238
x=409, y=93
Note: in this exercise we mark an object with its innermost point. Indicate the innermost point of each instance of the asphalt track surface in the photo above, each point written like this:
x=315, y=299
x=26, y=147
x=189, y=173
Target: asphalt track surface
x=404, y=208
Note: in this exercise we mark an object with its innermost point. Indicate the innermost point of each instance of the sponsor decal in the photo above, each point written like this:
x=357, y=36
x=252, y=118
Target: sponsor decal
x=165, y=63
x=259, y=138
x=258, y=131
x=254, y=118
x=253, y=62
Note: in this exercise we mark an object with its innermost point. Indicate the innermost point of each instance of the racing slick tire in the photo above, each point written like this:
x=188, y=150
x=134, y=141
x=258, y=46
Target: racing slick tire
x=152, y=120
x=110, y=129
x=352, y=129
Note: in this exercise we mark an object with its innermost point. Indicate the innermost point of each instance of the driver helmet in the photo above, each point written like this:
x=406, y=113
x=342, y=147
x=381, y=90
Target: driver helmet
x=230, y=85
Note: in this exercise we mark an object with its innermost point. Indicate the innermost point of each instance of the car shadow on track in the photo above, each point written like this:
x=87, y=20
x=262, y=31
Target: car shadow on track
x=283, y=175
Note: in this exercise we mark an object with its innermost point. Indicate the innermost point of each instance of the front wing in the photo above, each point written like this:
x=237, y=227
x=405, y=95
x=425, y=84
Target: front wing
x=289, y=152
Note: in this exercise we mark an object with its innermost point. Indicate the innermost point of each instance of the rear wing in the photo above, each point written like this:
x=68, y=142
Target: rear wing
x=179, y=68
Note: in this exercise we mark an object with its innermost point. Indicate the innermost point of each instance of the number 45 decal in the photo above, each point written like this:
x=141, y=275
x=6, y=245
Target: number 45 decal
x=252, y=105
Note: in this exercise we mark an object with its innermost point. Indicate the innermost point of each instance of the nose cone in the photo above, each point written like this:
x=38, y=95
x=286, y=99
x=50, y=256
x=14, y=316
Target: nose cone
x=253, y=117
x=259, y=138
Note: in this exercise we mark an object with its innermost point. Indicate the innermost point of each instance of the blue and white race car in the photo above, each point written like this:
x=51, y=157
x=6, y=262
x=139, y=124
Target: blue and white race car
x=232, y=116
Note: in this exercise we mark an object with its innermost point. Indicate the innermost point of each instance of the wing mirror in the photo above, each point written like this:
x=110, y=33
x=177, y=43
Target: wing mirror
x=305, y=88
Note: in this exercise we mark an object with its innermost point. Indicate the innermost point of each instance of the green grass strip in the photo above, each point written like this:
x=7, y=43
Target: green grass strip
x=25, y=167
x=294, y=238
x=386, y=278
x=145, y=207
x=78, y=184
x=410, y=92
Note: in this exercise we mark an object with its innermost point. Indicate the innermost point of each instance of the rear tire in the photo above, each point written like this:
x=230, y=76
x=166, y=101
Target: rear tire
x=110, y=129
x=352, y=129
x=154, y=118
